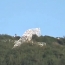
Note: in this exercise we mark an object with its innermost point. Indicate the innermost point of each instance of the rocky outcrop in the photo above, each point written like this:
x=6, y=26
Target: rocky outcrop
x=27, y=36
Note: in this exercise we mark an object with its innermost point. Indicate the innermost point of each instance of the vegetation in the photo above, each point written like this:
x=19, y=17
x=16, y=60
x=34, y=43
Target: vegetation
x=27, y=54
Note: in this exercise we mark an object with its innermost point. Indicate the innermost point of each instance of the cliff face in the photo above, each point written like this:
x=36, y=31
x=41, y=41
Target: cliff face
x=27, y=36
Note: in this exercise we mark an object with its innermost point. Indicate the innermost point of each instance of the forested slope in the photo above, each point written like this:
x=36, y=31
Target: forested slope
x=27, y=54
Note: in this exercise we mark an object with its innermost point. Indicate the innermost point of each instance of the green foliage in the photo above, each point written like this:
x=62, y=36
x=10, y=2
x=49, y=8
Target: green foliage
x=27, y=54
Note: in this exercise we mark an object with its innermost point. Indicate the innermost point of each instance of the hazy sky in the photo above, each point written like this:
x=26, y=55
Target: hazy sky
x=16, y=16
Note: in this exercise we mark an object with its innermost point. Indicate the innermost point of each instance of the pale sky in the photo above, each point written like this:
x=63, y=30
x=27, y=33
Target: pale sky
x=16, y=16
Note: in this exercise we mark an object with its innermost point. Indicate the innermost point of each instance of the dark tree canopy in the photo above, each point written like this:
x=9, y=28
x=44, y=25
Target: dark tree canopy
x=27, y=54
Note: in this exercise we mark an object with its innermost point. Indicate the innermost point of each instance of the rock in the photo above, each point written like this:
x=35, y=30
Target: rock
x=27, y=36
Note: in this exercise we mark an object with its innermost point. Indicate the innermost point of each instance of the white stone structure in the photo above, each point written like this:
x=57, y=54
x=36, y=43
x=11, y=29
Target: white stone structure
x=27, y=36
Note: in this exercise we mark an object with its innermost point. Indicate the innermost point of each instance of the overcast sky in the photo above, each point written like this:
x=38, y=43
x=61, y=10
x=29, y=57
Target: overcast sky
x=16, y=16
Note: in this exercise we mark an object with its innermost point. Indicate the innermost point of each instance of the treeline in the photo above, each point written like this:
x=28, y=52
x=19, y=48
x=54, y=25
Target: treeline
x=27, y=54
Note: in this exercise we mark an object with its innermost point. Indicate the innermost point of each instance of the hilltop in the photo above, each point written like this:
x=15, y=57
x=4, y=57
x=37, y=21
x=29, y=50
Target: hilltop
x=53, y=53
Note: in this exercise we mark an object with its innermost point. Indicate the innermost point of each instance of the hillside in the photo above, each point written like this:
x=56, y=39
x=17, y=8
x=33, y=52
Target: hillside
x=53, y=53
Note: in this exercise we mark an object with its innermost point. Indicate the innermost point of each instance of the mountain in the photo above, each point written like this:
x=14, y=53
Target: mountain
x=53, y=53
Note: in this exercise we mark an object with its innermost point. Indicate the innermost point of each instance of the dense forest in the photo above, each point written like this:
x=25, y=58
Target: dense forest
x=27, y=54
